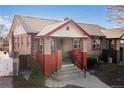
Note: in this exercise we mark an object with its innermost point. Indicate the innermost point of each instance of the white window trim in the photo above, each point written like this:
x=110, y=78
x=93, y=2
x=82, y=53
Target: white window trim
x=77, y=43
x=96, y=43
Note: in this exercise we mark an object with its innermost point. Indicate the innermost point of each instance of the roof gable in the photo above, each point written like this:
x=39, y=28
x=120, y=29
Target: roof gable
x=122, y=36
x=52, y=30
x=16, y=27
x=73, y=31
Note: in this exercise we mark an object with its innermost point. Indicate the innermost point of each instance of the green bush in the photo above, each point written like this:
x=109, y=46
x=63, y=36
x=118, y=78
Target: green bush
x=91, y=62
x=36, y=77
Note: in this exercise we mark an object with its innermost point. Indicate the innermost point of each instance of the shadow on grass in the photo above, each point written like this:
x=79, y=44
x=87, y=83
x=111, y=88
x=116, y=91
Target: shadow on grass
x=111, y=74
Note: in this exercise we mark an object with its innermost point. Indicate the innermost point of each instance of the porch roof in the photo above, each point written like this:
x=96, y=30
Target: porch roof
x=51, y=27
x=115, y=33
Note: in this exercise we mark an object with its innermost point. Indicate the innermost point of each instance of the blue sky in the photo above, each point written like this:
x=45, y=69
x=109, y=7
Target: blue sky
x=84, y=14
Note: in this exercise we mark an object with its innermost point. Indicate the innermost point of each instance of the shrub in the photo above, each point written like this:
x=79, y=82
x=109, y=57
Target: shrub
x=91, y=62
x=36, y=77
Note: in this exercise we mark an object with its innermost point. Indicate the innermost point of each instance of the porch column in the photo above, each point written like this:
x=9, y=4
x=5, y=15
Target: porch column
x=110, y=51
x=117, y=51
x=123, y=54
x=47, y=57
x=84, y=53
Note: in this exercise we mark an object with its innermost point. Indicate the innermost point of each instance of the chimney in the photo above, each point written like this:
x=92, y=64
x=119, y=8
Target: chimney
x=66, y=18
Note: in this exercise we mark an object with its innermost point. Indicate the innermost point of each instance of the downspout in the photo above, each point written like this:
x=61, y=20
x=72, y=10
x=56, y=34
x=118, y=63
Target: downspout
x=31, y=46
x=12, y=45
x=43, y=56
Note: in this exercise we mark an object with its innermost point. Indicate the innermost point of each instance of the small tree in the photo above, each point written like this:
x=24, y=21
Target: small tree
x=3, y=29
x=115, y=14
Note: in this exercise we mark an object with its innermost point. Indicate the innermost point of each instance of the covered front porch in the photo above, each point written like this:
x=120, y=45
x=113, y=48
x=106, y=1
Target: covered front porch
x=57, y=51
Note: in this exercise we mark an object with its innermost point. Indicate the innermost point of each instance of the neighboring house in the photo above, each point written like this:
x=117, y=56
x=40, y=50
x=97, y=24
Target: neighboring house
x=54, y=41
x=4, y=44
x=114, y=52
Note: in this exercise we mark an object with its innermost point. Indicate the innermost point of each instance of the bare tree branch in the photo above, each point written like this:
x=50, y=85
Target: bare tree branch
x=115, y=15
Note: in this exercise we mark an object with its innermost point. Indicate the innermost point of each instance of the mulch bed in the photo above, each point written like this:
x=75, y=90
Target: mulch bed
x=111, y=74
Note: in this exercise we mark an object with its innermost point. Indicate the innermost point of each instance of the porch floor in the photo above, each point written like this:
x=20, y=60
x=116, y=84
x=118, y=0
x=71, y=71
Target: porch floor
x=67, y=60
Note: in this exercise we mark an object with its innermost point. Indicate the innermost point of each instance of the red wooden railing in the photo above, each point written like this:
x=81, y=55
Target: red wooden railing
x=49, y=63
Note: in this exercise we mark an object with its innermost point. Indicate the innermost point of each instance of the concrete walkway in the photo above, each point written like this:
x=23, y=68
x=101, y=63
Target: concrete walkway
x=71, y=75
x=6, y=82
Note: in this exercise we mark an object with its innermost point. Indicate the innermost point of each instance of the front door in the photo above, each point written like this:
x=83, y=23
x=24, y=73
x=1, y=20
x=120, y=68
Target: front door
x=65, y=45
x=60, y=45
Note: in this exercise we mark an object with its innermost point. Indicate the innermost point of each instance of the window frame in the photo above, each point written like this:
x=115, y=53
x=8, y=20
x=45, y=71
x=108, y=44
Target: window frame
x=21, y=40
x=27, y=41
x=52, y=45
x=76, y=43
x=41, y=44
x=96, y=44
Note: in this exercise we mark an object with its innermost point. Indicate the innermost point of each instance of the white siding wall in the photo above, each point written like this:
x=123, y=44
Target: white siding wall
x=24, y=48
x=72, y=32
x=92, y=52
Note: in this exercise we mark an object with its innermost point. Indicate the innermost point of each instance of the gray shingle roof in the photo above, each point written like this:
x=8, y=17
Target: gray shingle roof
x=113, y=33
x=92, y=29
x=35, y=25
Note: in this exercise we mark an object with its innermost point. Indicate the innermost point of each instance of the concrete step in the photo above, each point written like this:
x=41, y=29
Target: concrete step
x=68, y=72
x=68, y=65
x=72, y=76
x=69, y=69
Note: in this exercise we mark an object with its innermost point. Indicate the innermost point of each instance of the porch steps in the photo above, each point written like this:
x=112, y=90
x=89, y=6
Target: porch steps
x=68, y=71
x=71, y=75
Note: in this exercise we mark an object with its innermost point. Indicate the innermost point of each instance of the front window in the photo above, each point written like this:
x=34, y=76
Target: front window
x=41, y=44
x=95, y=44
x=27, y=41
x=15, y=42
x=76, y=43
x=52, y=45
x=22, y=40
x=18, y=42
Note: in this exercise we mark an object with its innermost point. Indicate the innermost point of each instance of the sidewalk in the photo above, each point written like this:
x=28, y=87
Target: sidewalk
x=71, y=75
x=6, y=82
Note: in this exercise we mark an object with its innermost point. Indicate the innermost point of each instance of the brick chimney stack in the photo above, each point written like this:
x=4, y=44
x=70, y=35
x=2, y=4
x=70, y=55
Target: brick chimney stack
x=66, y=18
